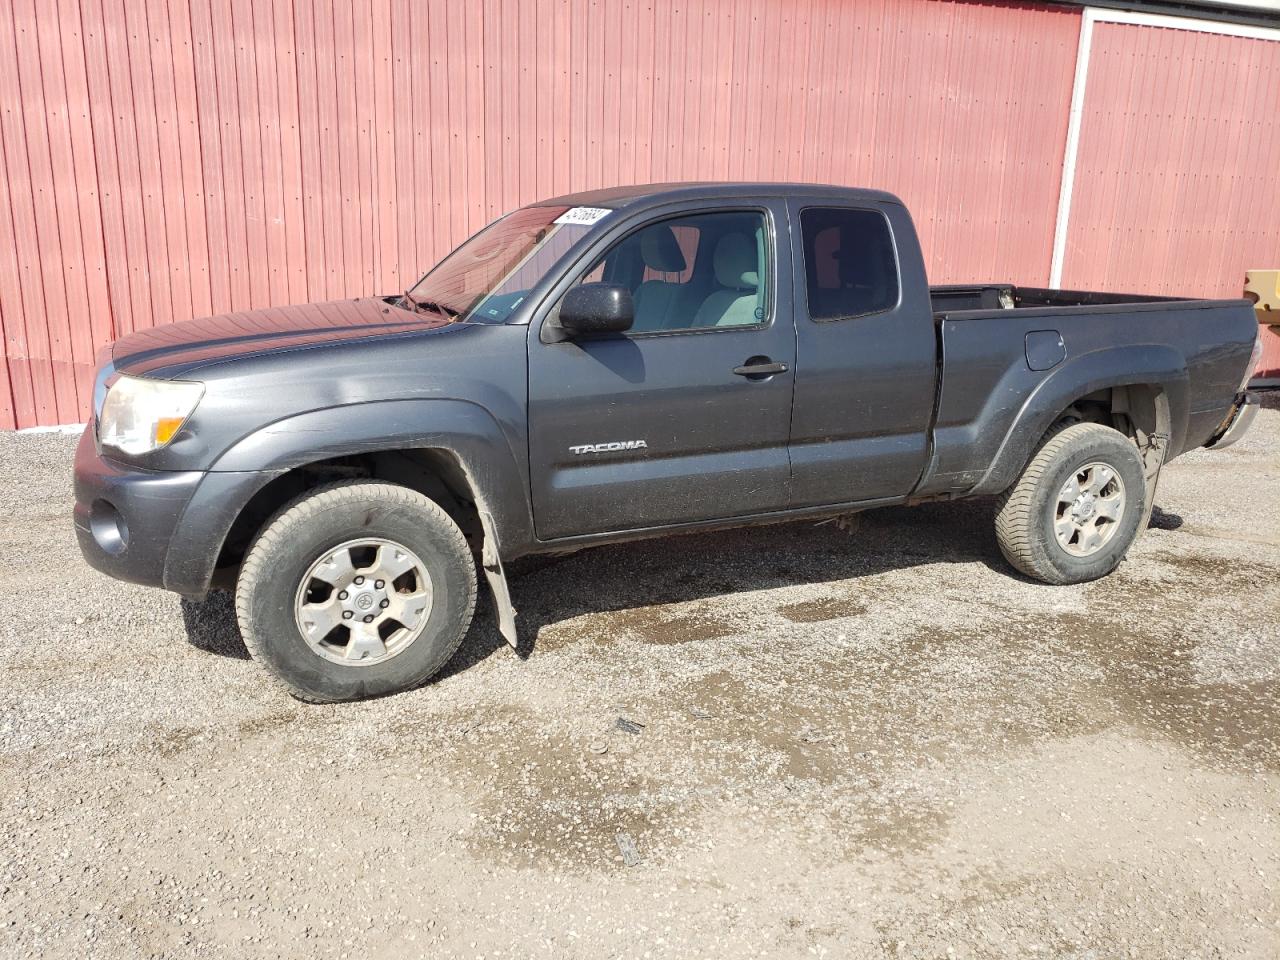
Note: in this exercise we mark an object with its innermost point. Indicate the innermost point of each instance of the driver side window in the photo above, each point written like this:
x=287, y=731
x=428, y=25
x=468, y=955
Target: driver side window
x=697, y=272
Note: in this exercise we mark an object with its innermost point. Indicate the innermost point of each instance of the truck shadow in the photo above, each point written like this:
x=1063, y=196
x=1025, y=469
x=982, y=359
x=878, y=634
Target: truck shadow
x=629, y=579
x=211, y=625
x=1164, y=520
x=636, y=576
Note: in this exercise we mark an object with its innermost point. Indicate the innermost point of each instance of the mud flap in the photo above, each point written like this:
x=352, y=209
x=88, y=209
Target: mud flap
x=491, y=562
x=1153, y=463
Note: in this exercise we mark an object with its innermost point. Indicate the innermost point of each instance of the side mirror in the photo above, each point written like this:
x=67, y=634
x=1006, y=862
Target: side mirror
x=594, y=308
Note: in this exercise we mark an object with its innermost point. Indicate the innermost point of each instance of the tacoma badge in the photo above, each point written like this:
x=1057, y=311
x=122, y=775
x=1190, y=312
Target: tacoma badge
x=611, y=447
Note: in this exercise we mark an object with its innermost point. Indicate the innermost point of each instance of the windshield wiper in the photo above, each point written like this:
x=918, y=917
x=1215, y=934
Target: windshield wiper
x=447, y=312
x=434, y=306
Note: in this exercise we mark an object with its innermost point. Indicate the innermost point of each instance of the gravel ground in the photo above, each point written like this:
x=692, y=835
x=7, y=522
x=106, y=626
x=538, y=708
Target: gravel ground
x=867, y=744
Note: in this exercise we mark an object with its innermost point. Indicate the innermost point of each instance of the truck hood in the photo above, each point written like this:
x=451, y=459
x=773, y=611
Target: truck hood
x=176, y=349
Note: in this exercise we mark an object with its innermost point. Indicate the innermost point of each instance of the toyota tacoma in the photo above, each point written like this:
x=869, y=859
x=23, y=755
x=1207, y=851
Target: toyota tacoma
x=617, y=364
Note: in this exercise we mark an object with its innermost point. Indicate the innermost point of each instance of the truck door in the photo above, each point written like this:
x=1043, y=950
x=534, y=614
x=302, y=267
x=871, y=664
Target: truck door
x=865, y=354
x=685, y=417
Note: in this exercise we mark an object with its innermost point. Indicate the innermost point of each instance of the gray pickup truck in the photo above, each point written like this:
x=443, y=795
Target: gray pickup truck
x=626, y=363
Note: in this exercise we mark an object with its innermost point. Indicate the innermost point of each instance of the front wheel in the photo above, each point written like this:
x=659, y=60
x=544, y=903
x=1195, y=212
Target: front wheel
x=1076, y=509
x=355, y=590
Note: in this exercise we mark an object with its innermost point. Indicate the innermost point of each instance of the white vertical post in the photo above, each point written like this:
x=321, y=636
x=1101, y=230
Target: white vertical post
x=1091, y=16
x=1073, y=147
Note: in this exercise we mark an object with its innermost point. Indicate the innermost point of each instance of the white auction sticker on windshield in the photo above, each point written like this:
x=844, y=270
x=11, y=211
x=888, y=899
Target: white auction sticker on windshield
x=583, y=216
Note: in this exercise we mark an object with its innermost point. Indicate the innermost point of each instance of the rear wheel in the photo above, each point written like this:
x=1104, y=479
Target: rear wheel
x=1076, y=509
x=356, y=590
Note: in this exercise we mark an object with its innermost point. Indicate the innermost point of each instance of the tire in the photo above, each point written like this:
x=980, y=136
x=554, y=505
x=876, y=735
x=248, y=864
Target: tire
x=330, y=536
x=1047, y=533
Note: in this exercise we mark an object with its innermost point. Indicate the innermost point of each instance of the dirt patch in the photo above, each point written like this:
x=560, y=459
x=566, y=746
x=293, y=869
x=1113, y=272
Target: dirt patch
x=557, y=636
x=1151, y=682
x=562, y=804
x=825, y=608
x=1206, y=568
x=664, y=625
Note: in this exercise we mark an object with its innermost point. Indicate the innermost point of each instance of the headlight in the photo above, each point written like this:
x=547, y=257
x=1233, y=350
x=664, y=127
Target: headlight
x=141, y=415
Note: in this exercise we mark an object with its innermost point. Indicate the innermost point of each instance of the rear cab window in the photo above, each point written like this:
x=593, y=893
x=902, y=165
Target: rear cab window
x=851, y=269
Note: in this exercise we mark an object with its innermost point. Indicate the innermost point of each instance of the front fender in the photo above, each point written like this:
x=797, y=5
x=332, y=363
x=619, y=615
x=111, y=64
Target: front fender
x=1087, y=373
x=467, y=431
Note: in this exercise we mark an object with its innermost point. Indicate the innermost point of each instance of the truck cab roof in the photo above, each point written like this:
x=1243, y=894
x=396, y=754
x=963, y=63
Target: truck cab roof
x=653, y=194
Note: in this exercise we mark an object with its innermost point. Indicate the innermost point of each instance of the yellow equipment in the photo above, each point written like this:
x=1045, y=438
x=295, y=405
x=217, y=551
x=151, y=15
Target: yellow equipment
x=1263, y=288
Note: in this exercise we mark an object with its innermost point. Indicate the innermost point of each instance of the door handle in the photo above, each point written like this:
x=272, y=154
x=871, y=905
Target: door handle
x=760, y=368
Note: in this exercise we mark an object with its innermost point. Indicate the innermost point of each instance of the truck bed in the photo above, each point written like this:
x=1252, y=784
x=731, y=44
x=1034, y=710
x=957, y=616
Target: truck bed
x=1013, y=358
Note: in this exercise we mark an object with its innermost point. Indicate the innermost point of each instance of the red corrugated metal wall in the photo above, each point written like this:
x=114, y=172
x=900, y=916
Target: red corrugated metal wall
x=169, y=159
x=1177, y=187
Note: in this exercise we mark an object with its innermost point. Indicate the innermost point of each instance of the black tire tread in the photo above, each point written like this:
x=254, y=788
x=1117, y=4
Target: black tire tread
x=299, y=511
x=1015, y=520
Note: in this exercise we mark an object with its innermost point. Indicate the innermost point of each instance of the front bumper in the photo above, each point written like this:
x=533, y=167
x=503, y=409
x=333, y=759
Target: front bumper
x=125, y=517
x=158, y=528
x=1236, y=424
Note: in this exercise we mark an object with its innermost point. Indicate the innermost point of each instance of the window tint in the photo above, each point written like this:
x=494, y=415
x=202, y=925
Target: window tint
x=689, y=273
x=849, y=262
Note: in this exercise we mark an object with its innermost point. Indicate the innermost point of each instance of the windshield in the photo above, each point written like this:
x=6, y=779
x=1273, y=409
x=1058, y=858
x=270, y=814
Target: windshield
x=486, y=278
